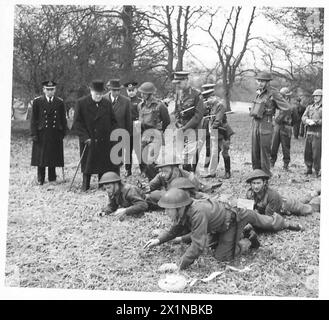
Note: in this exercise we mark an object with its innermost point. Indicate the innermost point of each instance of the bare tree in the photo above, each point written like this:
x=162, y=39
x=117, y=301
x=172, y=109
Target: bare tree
x=228, y=56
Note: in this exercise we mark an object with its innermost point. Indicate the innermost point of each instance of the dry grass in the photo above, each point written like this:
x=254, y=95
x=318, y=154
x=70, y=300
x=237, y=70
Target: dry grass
x=56, y=240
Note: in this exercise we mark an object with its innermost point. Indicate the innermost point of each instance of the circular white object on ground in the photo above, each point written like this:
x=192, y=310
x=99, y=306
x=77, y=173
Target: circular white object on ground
x=172, y=282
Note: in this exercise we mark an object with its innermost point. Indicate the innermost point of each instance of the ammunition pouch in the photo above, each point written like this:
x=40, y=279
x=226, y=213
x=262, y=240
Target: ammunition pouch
x=258, y=109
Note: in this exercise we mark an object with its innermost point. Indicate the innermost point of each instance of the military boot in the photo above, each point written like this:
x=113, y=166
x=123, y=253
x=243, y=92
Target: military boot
x=286, y=166
x=294, y=226
x=227, y=164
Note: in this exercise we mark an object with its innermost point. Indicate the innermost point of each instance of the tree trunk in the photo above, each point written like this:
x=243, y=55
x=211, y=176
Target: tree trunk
x=127, y=53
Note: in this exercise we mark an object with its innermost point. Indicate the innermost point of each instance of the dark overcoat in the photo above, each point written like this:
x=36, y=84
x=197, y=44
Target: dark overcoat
x=95, y=121
x=48, y=127
x=122, y=111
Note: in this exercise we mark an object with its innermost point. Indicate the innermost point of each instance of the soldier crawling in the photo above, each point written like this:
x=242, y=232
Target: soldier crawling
x=124, y=199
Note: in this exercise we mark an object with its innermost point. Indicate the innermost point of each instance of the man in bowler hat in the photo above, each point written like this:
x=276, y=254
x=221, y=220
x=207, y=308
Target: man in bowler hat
x=93, y=122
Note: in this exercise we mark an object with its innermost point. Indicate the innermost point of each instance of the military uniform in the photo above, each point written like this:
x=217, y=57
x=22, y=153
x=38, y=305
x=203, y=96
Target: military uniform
x=298, y=126
x=48, y=127
x=312, y=152
x=191, y=99
x=153, y=115
x=282, y=135
x=135, y=139
x=129, y=197
x=159, y=185
x=220, y=133
x=262, y=112
x=204, y=218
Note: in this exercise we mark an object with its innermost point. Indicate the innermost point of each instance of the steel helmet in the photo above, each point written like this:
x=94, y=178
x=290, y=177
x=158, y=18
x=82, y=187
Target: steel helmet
x=109, y=177
x=317, y=92
x=257, y=174
x=182, y=183
x=285, y=91
x=175, y=198
x=263, y=75
x=147, y=87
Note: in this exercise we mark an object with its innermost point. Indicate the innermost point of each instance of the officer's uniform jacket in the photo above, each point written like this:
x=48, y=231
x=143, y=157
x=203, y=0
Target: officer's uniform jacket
x=193, y=118
x=200, y=218
x=268, y=101
x=267, y=203
x=313, y=112
x=48, y=126
x=129, y=197
x=153, y=114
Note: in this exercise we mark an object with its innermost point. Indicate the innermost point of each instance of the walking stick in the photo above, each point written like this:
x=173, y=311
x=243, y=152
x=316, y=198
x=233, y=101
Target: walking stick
x=83, y=152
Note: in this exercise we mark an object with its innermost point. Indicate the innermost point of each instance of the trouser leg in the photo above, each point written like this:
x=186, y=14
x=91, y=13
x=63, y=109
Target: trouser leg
x=302, y=129
x=51, y=173
x=267, y=223
x=265, y=152
x=276, y=140
x=41, y=174
x=85, y=181
x=208, y=151
x=308, y=157
x=215, y=144
x=285, y=144
x=255, y=146
x=316, y=150
x=129, y=164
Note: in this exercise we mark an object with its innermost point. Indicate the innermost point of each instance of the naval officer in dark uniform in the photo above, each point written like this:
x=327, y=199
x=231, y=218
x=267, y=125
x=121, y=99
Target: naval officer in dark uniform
x=48, y=128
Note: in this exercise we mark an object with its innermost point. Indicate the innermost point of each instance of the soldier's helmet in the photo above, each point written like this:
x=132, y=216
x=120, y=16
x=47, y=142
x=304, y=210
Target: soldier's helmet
x=109, y=177
x=147, y=87
x=257, y=174
x=285, y=91
x=175, y=198
x=264, y=75
x=182, y=183
x=169, y=159
x=317, y=92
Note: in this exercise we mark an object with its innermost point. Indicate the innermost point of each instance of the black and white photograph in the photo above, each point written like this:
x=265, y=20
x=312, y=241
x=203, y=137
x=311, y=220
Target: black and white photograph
x=164, y=149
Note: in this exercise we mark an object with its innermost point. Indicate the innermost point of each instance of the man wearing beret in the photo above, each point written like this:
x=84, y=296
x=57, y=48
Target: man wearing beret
x=122, y=110
x=94, y=120
x=189, y=111
x=48, y=128
x=135, y=141
x=267, y=101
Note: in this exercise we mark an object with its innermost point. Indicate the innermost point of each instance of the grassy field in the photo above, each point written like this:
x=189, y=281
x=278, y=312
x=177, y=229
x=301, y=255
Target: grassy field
x=56, y=240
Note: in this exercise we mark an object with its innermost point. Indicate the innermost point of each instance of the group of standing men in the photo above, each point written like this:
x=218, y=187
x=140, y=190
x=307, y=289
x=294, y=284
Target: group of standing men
x=200, y=118
x=273, y=117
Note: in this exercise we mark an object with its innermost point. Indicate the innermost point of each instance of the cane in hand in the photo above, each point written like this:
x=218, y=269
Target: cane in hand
x=76, y=171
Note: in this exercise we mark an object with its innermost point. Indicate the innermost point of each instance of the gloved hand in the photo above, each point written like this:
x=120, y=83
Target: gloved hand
x=152, y=243
x=88, y=142
x=35, y=138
